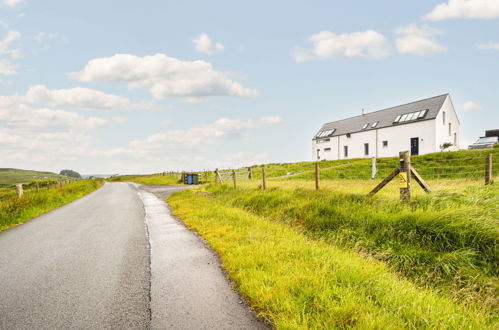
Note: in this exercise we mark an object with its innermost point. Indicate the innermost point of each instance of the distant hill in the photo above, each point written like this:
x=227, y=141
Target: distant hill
x=10, y=176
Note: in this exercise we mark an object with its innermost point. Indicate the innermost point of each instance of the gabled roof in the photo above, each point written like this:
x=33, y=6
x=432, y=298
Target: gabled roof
x=385, y=117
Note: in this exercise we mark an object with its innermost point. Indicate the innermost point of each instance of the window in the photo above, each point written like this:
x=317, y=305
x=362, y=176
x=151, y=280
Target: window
x=385, y=144
x=327, y=149
x=422, y=113
x=318, y=154
x=450, y=129
x=365, y=126
x=325, y=133
x=455, y=139
x=345, y=151
x=443, y=118
x=404, y=117
x=323, y=140
x=397, y=119
x=375, y=124
x=348, y=135
x=410, y=116
x=366, y=149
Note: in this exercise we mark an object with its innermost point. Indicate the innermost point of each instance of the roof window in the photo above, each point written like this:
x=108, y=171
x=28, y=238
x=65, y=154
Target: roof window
x=375, y=124
x=365, y=126
x=420, y=114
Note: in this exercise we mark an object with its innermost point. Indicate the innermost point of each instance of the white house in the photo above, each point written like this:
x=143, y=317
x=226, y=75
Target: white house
x=420, y=126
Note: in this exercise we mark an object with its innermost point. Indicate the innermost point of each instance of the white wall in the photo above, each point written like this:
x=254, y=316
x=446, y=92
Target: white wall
x=398, y=137
x=442, y=129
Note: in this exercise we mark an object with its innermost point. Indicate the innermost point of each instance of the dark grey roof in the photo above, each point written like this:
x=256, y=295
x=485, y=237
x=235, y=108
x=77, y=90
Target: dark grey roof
x=385, y=117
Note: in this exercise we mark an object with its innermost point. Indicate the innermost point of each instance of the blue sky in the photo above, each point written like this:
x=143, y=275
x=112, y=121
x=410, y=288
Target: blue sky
x=128, y=87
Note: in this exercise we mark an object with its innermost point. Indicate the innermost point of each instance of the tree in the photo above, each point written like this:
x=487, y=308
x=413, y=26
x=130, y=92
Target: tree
x=71, y=173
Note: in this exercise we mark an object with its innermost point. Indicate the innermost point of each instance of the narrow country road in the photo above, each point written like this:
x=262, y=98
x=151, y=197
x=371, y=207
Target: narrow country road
x=114, y=259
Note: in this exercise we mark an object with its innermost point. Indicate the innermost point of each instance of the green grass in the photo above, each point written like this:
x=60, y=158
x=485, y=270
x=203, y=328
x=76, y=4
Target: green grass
x=294, y=255
x=10, y=176
x=14, y=211
x=146, y=179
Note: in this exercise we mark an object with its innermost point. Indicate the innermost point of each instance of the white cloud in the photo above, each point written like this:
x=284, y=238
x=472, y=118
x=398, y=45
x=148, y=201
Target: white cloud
x=42, y=36
x=163, y=76
x=12, y=3
x=326, y=44
x=7, y=68
x=120, y=119
x=75, y=97
x=271, y=120
x=6, y=42
x=470, y=105
x=166, y=122
x=204, y=44
x=464, y=9
x=418, y=40
x=489, y=45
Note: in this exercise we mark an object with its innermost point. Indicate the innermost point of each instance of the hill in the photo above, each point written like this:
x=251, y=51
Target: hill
x=10, y=176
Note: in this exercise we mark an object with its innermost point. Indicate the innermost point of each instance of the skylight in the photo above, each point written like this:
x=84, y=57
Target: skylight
x=365, y=126
x=410, y=116
x=375, y=124
x=325, y=133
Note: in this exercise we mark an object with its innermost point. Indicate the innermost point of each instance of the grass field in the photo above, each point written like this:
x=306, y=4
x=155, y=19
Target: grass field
x=10, y=176
x=14, y=211
x=146, y=179
x=336, y=258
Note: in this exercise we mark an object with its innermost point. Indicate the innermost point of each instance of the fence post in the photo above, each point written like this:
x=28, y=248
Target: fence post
x=250, y=173
x=19, y=190
x=37, y=187
x=234, y=178
x=405, y=176
x=488, y=169
x=317, y=176
x=264, y=182
x=217, y=177
x=373, y=168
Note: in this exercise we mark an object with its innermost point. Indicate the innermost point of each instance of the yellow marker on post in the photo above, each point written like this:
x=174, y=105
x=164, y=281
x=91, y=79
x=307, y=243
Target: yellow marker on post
x=403, y=180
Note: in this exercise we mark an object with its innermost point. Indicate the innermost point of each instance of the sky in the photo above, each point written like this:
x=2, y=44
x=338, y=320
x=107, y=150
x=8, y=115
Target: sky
x=143, y=87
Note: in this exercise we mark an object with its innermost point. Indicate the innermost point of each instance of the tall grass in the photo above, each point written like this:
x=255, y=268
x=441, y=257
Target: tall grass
x=151, y=179
x=448, y=241
x=300, y=281
x=14, y=211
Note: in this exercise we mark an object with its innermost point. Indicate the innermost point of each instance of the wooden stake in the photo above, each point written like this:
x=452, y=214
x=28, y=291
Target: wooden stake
x=373, y=168
x=420, y=180
x=405, y=176
x=250, y=173
x=19, y=190
x=264, y=182
x=234, y=178
x=317, y=176
x=488, y=169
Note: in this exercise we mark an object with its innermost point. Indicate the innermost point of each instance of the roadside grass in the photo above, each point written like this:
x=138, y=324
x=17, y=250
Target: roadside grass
x=14, y=211
x=146, y=179
x=447, y=240
x=297, y=279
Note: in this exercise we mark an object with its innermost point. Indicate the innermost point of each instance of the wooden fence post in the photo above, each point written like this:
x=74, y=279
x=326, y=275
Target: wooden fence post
x=250, y=173
x=488, y=169
x=405, y=176
x=234, y=178
x=19, y=190
x=264, y=182
x=373, y=168
x=317, y=176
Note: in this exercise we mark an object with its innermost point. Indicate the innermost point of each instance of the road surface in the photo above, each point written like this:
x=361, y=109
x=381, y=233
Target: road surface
x=114, y=259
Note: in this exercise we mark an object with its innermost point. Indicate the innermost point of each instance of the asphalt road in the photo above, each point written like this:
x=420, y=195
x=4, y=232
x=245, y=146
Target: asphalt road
x=114, y=259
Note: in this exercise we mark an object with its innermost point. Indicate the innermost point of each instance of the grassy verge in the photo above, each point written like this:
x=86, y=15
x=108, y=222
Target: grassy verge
x=298, y=280
x=146, y=179
x=14, y=211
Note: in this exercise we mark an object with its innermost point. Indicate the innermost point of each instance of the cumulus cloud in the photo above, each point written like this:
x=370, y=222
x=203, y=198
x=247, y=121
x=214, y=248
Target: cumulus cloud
x=75, y=97
x=464, y=9
x=469, y=106
x=12, y=3
x=326, y=44
x=489, y=45
x=271, y=120
x=203, y=44
x=163, y=76
x=418, y=40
